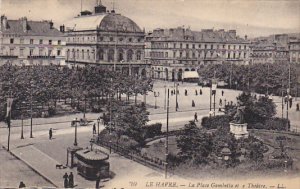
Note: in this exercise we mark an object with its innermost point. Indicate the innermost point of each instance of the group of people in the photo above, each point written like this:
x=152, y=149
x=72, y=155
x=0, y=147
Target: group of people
x=68, y=180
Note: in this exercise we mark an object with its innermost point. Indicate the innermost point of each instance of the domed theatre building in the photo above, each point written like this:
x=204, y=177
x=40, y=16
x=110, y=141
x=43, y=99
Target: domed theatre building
x=105, y=38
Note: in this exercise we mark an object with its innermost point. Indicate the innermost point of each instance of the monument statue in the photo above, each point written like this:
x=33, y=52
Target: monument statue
x=239, y=115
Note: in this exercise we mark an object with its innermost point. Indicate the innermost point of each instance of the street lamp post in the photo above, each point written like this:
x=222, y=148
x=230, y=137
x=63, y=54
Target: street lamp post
x=75, y=139
x=165, y=96
x=22, y=130
x=31, y=86
x=176, y=92
x=98, y=121
x=156, y=94
x=167, y=135
x=9, y=107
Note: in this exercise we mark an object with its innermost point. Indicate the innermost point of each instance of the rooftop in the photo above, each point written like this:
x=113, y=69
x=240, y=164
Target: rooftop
x=28, y=27
x=103, y=21
x=205, y=35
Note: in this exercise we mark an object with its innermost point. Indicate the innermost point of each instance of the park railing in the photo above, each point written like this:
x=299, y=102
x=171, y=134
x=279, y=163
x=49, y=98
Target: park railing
x=136, y=156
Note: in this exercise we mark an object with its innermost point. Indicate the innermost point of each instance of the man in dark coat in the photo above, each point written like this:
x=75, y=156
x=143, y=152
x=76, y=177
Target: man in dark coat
x=22, y=185
x=94, y=128
x=98, y=180
x=66, y=182
x=71, y=180
x=50, y=133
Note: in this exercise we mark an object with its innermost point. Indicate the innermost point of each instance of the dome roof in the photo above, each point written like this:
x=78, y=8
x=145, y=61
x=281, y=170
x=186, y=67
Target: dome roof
x=117, y=22
x=106, y=22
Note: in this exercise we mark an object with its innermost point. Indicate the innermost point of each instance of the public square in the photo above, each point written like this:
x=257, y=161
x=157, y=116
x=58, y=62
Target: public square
x=42, y=154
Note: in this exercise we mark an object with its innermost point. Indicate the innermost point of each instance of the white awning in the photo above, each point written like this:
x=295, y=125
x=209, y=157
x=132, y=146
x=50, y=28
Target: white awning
x=190, y=74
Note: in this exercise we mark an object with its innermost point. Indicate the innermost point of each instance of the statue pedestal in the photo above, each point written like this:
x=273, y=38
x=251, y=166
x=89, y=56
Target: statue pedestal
x=239, y=130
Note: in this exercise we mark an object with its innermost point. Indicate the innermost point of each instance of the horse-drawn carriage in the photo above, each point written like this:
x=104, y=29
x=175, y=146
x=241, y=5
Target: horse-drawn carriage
x=81, y=121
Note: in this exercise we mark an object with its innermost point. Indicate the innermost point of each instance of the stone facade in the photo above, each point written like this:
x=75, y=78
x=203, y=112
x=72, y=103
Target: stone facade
x=30, y=42
x=294, y=49
x=174, y=51
x=107, y=39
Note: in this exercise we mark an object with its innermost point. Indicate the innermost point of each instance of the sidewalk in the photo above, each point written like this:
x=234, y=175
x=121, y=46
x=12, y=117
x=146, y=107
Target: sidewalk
x=45, y=166
x=122, y=168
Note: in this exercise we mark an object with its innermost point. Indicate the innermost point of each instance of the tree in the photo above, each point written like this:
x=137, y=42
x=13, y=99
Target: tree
x=194, y=144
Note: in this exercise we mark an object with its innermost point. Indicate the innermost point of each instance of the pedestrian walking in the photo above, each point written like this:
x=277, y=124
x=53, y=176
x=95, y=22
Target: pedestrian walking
x=98, y=180
x=222, y=92
x=50, y=133
x=200, y=92
x=196, y=92
x=66, y=182
x=22, y=185
x=94, y=128
x=185, y=92
x=172, y=93
x=297, y=107
x=195, y=117
x=71, y=180
x=177, y=92
x=220, y=102
x=193, y=103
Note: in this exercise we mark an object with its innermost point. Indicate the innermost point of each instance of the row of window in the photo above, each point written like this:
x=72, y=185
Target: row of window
x=32, y=52
x=200, y=46
x=193, y=55
x=32, y=41
x=108, y=56
x=101, y=38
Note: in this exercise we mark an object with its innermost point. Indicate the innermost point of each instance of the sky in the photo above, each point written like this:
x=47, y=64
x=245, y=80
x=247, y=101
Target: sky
x=249, y=17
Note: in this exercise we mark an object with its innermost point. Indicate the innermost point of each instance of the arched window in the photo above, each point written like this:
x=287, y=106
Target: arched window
x=68, y=54
x=120, y=56
x=111, y=54
x=101, y=54
x=77, y=54
x=129, y=55
x=88, y=54
x=139, y=55
x=82, y=54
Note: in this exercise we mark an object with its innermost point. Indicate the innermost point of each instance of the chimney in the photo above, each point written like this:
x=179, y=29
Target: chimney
x=24, y=24
x=232, y=33
x=246, y=37
x=3, y=22
x=51, y=24
x=62, y=28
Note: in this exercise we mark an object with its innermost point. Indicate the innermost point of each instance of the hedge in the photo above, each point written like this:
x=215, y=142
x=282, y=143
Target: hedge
x=150, y=131
x=214, y=122
x=276, y=123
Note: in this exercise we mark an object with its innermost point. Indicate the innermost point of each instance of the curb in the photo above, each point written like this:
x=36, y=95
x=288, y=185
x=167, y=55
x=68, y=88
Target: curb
x=31, y=167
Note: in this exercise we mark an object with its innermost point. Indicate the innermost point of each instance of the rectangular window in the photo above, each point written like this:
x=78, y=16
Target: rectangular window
x=21, y=41
x=181, y=45
x=174, y=54
x=166, y=54
x=21, y=52
x=193, y=46
x=212, y=46
x=40, y=52
x=31, y=41
x=58, y=52
x=31, y=52
x=50, y=42
x=49, y=52
x=205, y=46
x=59, y=42
x=11, y=52
x=12, y=41
x=41, y=41
x=174, y=45
x=187, y=46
